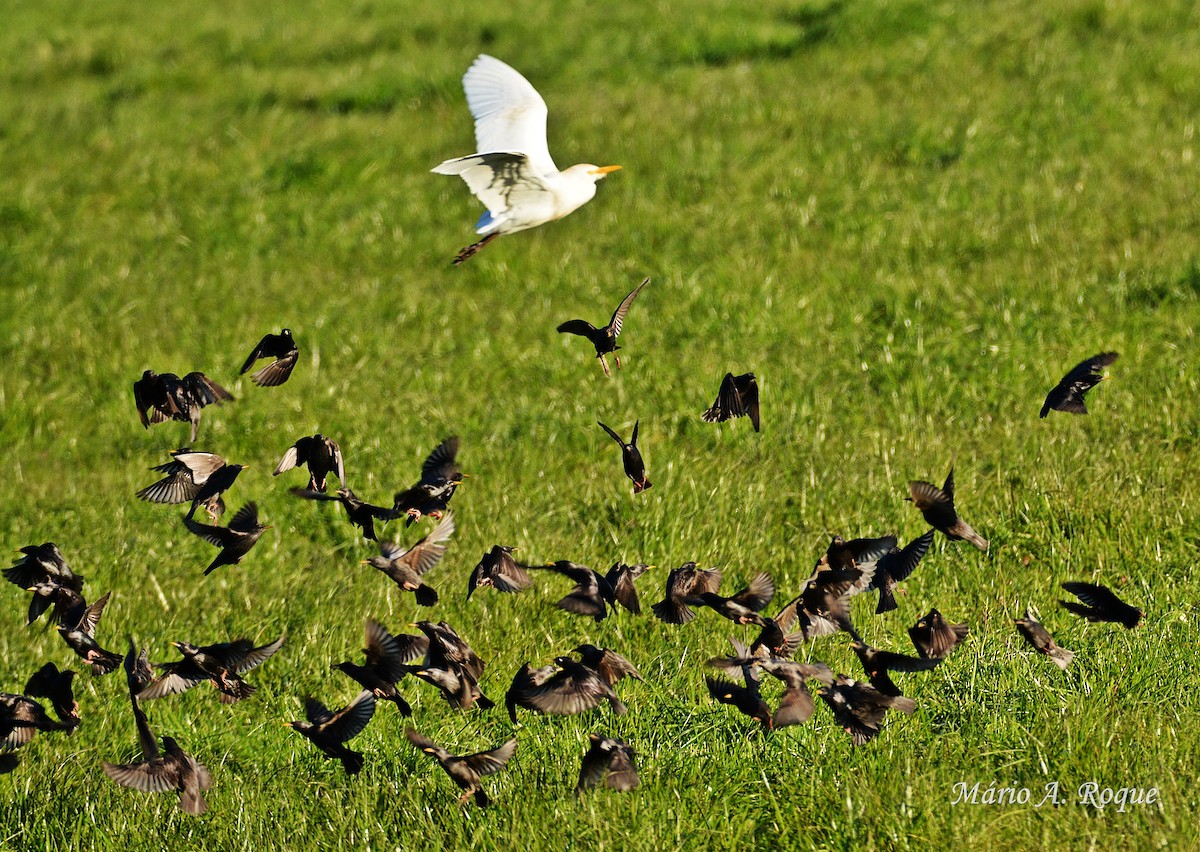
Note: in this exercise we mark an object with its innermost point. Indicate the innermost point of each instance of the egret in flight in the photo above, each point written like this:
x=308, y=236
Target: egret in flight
x=513, y=174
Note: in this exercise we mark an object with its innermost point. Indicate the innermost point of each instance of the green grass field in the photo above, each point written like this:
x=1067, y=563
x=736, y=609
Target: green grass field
x=908, y=218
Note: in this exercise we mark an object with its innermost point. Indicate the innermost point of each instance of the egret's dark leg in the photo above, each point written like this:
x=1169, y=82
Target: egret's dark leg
x=473, y=249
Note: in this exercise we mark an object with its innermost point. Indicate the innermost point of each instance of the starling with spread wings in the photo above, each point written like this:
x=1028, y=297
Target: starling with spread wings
x=467, y=770
x=610, y=762
x=604, y=339
x=235, y=541
x=1068, y=394
x=631, y=458
x=440, y=476
x=222, y=664
x=329, y=731
x=359, y=512
x=406, y=567
x=738, y=397
x=937, y=507
x=282, y=349
x=174, y=769
x=322, y=456
x=499, y=570
x=173, y=398
x=1100, y=603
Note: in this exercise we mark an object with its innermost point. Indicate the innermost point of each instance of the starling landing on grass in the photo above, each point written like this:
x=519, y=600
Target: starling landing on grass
x=173, y=398
x=499, y=570
x=235, y=541
x=322, y=456
x=1041, y=641
x=361, y=514
x=934, y=637
x=738, y=397
x=631, y=458
x=604, y=339
x=937, y=507
x=174, y=769
x=467, y=770
x=329, y=731
x=1100, y=604
x=608, y=762
x=387, y=659
x=1067, y=395
x=686, y=581
x=440, y=476
x=222, y=664
x=280, y=347
x=406, y=567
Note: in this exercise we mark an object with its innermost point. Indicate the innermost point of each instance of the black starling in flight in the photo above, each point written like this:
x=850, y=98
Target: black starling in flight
x=1041, y=641
x=440, y=476
x=499, y=570
x=282, y=348
x=524, y=683
x=686, y=581
x=467, y=770
x=574, y=688
x=50, y=683
x=1067, y=395
x=452, y=666
x=747, y=699
x=362, y=515
x=330, y=731
x=742, y=607
x=1100, y=604
x=796, y=705
x=138, y=675
x=894, y=567
x=610, y=762
x=222, y=664
x=737, y=397
x=937, y=507
x=589, y=593
x=878, y=663
x=610, y=665
x=174, y=769
x=173, y=398
x=934, y=637
x=78, y=628
x=631, y=458
x=42, y=563
x=406, y=567
x=187, y=476
x=386, y=662
x=22, y=717
x=620, y=579
x=859, y=708
x=604, y=339
x=323, y=457
x=235, y=540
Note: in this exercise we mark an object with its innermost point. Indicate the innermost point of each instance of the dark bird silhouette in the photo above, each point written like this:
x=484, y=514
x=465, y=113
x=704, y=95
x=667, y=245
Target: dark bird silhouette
x=610, y=665
x=386, y=662
x=1099, y=604
x=280, y=347
x=499, y=570
x=78, y=628
x=440, y=476
x=452, y=666
x=620, y=579
x=42, y=563
x=322, y=456
x=330, y=731
x=610, y=762
x=859, y=708
x=934, y=637
x=524, y=683
x=686, y=581
x=590, y=593
x=47, y=594
x=937, y=507
x=222, y=664
x=894, y=567
x=604, y=339
x=174, y=769
x=743, y=606
x=406, y=567
x=200, y=478
x=56, y=686
x=466, y=771
x=1040, y=640
x=574, y=688
x=878, y=663
x=738, y=397
x=22, y=717
x=235, y=541
x=173, y=398
x=796, y=704
x=1068, y=394
x=631, y=458
x=361, y=514
x=8, y=762
x=748, y=699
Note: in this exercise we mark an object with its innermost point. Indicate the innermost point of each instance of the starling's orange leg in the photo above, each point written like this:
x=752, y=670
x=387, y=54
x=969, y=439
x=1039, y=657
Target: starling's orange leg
x=618, y=358
x=603, y=363
x=472, y=250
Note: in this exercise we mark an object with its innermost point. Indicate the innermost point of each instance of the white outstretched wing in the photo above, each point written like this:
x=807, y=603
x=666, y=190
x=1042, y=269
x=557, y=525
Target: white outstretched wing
x=509, y=113
x=516, y=196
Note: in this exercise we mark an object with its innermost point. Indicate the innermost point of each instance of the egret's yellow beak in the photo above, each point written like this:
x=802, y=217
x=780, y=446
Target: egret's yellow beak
x=603, y=170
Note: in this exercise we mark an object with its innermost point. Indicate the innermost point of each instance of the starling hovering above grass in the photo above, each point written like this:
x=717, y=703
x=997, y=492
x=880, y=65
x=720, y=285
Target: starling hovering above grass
x=235, y=541
x=631, y=458
x=173, y=398
x=684, y=582
x=362, y=515
x=459, y=688
x=610, y=665
x=878, y=663
x=737, y=397
x=775, y=642
x=323, y=457
x=937, y=507
x=499, y=570
x=78, y=628
x=1041, y=641
x=934, y=637
x=187, y=475
x=747, y=699
x=524, y=684
x=620, y=579
x=42, y=563
x=742, y=607
x=440, y=476
x=222, y=664
x=174, y=770
x=895, y=567
x=50, y=683
x=406, y=567
x=609, y=762
x=796, y=705
x=1068, y=394
x=1099, y=604
x=386, y=662
x=589, y=593
x=452, y=666
x=329, y=731
x=604, y=339
x=859, y=708
x=21, y=718
x=49, y=594
x=466, y=771
x=282, y=348
x=575, y=688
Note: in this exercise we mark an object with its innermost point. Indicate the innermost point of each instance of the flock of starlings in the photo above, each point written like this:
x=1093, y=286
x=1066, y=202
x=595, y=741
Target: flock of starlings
x=512, y=170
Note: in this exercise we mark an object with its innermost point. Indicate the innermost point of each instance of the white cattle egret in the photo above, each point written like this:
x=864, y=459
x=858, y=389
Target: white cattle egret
x=513, y=175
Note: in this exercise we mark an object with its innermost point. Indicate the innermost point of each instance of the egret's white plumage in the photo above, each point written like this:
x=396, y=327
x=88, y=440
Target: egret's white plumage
x=513, y=173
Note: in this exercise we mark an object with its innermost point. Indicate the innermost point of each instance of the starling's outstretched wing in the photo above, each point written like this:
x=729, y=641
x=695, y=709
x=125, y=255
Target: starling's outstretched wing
x=618, y=317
